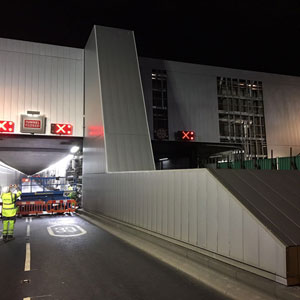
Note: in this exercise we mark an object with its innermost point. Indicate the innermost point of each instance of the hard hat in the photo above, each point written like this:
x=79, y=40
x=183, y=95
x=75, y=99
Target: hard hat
x=5, y=189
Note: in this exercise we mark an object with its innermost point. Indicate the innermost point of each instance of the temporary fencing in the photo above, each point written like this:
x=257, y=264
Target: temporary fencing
x=30, y=207
x=40, y=207
x=61, y=206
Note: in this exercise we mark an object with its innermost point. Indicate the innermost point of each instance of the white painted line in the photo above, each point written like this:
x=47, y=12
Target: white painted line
x=28, y=230
x=27, y=258
x=26, y=220
x=30, y=219
x=36, y=297
x=65, y=230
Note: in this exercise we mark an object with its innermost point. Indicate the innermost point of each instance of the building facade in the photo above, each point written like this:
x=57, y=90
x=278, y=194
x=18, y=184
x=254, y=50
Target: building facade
x=258, y=111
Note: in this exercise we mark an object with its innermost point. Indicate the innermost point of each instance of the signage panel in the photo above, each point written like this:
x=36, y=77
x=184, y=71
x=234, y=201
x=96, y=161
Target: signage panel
x=61, y=129
x=7, y=126
x=186, y=135
x=33, y=124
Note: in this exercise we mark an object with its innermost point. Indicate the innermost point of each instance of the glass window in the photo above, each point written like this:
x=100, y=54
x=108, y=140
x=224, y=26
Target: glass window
x=160, y=104
x=243, y=122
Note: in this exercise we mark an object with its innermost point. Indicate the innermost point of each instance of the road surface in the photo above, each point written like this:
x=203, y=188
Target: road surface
x=65, y=257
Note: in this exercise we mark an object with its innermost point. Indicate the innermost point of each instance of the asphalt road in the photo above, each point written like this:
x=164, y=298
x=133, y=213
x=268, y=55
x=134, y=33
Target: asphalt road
x=73, y=259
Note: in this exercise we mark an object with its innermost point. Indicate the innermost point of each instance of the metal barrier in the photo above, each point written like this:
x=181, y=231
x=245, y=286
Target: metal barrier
x=40, y=207
x=60, y=206
x=30, y=207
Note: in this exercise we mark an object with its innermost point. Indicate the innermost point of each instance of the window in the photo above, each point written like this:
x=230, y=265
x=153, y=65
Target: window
x=160, y=104
x=241, y=114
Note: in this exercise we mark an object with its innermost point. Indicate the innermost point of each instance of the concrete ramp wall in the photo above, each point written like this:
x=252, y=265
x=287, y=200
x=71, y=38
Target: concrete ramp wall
x=274, y=198
x=192, y=206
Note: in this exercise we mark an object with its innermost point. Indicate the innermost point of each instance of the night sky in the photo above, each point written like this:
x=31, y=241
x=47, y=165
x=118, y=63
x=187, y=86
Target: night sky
x=255, y=35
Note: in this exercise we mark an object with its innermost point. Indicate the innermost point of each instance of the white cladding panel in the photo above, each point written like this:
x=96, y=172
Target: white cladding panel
x=193, y=106
x=127, y=140
x=93, y=144
x=9, y=176
x=41, y=77
x=188, y=205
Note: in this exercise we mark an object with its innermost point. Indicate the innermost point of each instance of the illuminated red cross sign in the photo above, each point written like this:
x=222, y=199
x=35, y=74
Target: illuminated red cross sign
x=187, y=135
x=62, y=129
x=7, y=126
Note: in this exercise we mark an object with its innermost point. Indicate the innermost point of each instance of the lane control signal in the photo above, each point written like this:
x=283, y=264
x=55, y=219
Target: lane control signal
x=61, y=129
x=7, y=126
x=186, y=135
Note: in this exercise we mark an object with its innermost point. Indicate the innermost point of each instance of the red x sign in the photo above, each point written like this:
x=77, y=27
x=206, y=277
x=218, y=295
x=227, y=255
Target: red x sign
x=62, y=129
x=7, y=126
x=187, y=135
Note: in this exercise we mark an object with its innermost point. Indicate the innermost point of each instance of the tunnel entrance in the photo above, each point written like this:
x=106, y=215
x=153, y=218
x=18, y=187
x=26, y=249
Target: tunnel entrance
x=45, y=168
x=31, y=154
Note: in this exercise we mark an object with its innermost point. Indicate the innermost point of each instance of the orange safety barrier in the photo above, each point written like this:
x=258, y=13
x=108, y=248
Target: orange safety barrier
x=60, y=206
x=30, y=207
x=39, y=207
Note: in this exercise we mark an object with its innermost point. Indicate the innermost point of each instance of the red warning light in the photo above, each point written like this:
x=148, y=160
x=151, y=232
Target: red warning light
x=186, y=135
x=7, y=126
x=61, y=129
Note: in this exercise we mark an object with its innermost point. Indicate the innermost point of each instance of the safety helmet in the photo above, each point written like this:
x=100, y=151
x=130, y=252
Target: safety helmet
x=12, y=189
x=5, y=189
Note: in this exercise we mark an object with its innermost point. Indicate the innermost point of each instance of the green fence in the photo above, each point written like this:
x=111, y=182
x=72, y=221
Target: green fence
x=281, y=163
x=289, y=163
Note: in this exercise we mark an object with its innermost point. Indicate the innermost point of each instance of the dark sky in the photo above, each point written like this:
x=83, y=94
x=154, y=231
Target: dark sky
x=256, y=35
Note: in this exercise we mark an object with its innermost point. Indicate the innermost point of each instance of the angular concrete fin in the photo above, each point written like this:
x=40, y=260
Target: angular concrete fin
x=117, y=133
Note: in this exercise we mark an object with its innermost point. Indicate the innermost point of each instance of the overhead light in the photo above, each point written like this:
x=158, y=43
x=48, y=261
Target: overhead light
x=60, y=165
x=162, y=159
x=74, y=149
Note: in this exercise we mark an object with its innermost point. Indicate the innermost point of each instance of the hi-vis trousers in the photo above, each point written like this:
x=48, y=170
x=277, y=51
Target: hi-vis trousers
x=8, y=225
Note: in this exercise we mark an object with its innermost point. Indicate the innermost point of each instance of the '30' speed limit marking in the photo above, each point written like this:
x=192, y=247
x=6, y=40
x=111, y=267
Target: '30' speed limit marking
x=66, y=230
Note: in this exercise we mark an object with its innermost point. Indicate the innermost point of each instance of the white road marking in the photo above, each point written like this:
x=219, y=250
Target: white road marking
x=36, y=297
x=30, y=219
x=26, y=220
x=28, y=230
x=65, y=230
x=27, y=259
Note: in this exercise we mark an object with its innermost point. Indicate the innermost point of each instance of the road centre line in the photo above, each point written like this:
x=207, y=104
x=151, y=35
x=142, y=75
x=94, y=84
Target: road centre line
x=37, y=297
x=27, y=258
x=28, y=230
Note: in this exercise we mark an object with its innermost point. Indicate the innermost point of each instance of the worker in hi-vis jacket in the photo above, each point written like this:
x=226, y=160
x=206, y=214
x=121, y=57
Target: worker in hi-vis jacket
x=9, y=195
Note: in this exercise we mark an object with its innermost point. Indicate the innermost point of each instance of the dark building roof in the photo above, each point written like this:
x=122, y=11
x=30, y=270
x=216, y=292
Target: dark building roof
x=273, y=197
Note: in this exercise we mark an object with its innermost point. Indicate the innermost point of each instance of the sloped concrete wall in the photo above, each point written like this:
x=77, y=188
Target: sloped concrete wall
x=191, y=206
